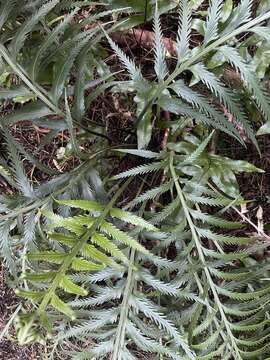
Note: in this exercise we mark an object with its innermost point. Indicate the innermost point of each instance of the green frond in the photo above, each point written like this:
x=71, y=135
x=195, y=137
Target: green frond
x=109, y=247
x=98, y=272
x=27, y=27
x=49, y=256
x=62, y=307
x=148, y=309
x=211, y=25
x=72, y=288
x=45, y=276
x=87, y=205
x=160, y=60
x=146, y=154
x=176, y=106
x=104, y=295
x=134, y=72
x=64, y=66
x=243, y=296
x=51, y=38
x=242, y=14
x=6, y=250
x=214, y=220
x=122, y=237
x=32, y=295
x=261, y=31
x=259, y=93
x=205, y=233
x=5, y=10
x=141, y=170
x=209, y=342
x=148, y=344
x=81, y=264
x=225, y=96
x=213, y=354
x=218, y=201
x=159, y=285
x=22, y=181
x=130, y=218
x=29, y=112
x=79, y=108
x=165, y=212
x=184, y=31
x=150, y=194
x=99, y=319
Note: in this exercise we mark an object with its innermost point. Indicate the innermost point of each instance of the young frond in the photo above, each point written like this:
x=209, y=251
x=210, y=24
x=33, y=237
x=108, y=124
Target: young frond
x=259, y=93
x=141, y=170
x=242, y=14
x=129, y=64
x=225, y=96
x=184, y=31
x=176, y=106
x=211, y=25
x=22, y=181
x=6, y=248
x=160, y=61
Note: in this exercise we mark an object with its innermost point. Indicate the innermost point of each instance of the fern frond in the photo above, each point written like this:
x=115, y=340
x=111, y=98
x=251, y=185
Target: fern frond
x=66, y=64
x=50, y=39
x=160, y=61
x=242, y=14
x=141, y=170
x=211, y=25
x=150, y=194
x=225, y=96
x=150, y=311
x=20, y=37
x=134, y=72
x=259, y=93
x=6, y=248
x=5, y=9
x=19, y=173
x=176, y=106
x=184, y=31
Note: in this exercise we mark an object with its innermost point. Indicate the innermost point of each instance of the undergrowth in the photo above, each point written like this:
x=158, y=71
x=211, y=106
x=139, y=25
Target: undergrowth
x=146, y=262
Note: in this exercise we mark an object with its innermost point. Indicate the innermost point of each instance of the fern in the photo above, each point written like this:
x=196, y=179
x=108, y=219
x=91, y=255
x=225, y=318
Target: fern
x=206, y=270
x=160, y=64
x=211, y=26
x=81, y=248
x=184, y=31
x=20, y=37
x=159, y=270
x=259, y=93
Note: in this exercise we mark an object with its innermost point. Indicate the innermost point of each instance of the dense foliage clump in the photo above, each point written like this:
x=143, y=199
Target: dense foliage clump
x=128, y=244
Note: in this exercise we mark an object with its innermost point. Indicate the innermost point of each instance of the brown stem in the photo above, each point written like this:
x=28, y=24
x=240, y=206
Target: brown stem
x=146, y=38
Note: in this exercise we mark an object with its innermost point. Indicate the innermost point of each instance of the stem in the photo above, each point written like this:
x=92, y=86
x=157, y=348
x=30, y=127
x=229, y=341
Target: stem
x=6, y=328
x=121, y=330
x=35, y=88
x=196, y=238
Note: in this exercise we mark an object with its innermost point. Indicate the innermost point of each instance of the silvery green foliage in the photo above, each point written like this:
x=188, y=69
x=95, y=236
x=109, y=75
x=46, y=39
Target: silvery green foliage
x=101, y=274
